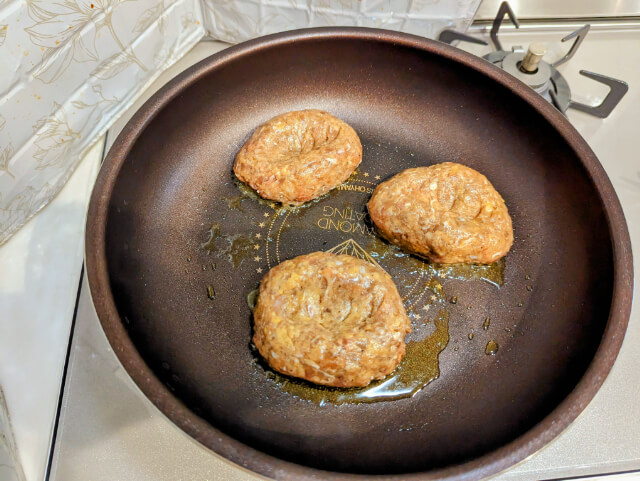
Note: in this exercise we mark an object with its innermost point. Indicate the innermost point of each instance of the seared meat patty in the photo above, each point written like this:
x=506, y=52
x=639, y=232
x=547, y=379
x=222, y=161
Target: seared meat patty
x=298, y=156
x=447, y=212
x=330, y=319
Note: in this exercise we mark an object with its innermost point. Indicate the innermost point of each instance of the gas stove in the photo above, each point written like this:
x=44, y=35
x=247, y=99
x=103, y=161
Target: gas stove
x=543, y=77
x=107, y=430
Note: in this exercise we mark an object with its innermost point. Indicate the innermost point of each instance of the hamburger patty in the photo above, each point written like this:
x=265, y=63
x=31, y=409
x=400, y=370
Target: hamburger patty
x=298, y=156
x=447, y=212
x=330, y=319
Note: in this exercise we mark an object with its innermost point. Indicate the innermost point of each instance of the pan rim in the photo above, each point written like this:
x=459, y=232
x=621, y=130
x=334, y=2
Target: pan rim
x=250, y=458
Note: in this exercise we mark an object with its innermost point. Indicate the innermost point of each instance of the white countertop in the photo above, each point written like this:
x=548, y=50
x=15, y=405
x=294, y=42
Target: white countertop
x=40, y=269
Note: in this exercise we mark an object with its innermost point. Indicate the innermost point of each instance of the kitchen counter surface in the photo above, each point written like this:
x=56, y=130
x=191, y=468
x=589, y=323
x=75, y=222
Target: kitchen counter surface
x=40, y=269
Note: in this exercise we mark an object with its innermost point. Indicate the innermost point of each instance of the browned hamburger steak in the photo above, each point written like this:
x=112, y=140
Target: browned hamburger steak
x=446, y=212
x=330, y=319
x=298, y=156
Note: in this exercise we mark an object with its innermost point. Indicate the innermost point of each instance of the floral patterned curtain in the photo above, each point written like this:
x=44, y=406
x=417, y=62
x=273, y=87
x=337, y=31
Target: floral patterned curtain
x=69, y=67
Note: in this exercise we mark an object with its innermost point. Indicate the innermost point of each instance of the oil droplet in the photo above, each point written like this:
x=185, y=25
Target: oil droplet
x=189, y=259
x=470, y=336
x=492, y=348
x=237, y=249
x=508, y=329
x=419, y=367
x=213, y=266
x=520, y=304
x=485, y=324
x=204, y=267
x=211, y=294
x=453, y=300
x=214, y=233
x=235, y=202
x=529, y=288
x=252, y=297
x=527, y=277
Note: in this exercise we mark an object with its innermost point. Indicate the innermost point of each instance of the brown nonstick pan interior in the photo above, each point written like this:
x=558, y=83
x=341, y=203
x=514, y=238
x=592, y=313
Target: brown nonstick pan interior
x=168, y=223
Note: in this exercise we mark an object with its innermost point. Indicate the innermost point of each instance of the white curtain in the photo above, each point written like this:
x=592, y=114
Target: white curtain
x=69, y=67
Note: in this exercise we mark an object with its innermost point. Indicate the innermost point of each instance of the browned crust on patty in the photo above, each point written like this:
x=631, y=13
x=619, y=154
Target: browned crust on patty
x=330, y=319
x=298, y=156
x=446, y=212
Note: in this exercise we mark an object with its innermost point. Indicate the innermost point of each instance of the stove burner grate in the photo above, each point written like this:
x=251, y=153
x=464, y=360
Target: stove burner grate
x=543, y=77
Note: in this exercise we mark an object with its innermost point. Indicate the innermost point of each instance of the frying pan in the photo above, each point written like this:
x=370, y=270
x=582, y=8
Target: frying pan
x=174, y=245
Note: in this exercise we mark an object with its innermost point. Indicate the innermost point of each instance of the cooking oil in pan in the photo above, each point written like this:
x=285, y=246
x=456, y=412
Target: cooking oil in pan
x=419, y=367
x=342, y=211
x=390, y=255
x=214, y=233
x=236, y=248
x=492, y=348
x=492, y=273
x=235, y=202
x=239, y=248
x=252, y=297
x=247, y=192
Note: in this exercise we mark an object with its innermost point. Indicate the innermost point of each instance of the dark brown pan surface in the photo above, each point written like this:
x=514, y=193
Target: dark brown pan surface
x=413, y=102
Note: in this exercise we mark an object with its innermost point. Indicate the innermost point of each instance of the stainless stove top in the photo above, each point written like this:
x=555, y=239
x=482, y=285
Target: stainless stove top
x=108, y=430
